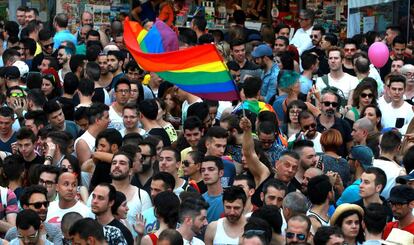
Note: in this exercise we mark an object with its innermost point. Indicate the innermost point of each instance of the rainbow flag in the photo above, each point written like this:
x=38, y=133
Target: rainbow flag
x=198, y=70
x=255, y=106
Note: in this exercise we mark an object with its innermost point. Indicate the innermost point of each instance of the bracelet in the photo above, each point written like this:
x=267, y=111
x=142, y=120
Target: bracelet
x=49, y=158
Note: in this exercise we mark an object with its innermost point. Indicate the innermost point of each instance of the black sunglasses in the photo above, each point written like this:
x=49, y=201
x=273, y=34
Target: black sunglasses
x=186, y=163
x=328, y=103
x=38, y=205
x=307, y=127
x=364, y=95
x=49, y=45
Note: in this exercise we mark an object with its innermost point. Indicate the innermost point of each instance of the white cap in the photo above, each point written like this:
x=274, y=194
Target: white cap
x=22, y=66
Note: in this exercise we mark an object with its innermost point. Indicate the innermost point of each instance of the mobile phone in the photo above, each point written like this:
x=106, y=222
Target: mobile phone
x=399, y=123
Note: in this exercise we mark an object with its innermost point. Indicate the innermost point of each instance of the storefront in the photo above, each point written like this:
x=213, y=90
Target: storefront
x=376, y=15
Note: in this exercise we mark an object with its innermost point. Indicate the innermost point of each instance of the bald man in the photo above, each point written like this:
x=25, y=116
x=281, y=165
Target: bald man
x=309, y=174
x=67, y=202
x=361, y=129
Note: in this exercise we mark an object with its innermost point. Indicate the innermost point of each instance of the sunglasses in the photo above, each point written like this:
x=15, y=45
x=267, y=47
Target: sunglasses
x=291, y=235
x=328, y=103
x=186, y=163
x=49, y=45
x=252, y=233
x=38, y=205
x=17, y=94
x=349, y=49
x=364, y=95
x=307, y=127
x=313, y=36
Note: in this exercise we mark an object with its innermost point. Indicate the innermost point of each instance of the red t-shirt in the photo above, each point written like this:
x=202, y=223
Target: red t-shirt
x=391, y=225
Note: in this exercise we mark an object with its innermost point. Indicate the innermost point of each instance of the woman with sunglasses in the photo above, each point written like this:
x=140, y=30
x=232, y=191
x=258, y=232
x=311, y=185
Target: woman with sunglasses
x=364, y=94
x=51, y=84
x=191, y=167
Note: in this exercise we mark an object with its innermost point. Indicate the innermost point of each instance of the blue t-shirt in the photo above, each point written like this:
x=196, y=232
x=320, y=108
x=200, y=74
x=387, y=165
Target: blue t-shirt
x=216, y=207
x=62, y=36
x=305, y=84
x=151, y=222
x=6, y=146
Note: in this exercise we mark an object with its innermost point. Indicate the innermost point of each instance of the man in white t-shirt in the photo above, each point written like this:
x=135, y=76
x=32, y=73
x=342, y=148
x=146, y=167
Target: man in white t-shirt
x=397, y=113
x=308, y=131
x=122, y=91
x=337, y=77
x=66, y=187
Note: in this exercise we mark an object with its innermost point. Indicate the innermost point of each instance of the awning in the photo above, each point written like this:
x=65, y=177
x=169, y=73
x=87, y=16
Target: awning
x=362, y=3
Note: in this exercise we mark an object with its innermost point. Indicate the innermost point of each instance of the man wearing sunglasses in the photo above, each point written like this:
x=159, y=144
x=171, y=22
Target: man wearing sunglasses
x=34, y=197
x=297, y=230
x=46, y=43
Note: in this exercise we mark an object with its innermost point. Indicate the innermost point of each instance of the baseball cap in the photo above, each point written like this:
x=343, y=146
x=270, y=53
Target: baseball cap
x=11, y=72
x=22, y=66
x=401, y=194
x=405, y=178
x=261, y=51
x=363, y=154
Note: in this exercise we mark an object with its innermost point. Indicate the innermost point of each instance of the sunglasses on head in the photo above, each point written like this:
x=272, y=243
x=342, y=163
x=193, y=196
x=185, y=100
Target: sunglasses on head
x=291, y=235
x=38, y=205
x=328, y=103
x=364, y=95
x=17, y=94
x=49, y=77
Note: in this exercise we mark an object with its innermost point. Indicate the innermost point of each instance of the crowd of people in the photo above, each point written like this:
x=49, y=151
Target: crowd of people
x=95, y=150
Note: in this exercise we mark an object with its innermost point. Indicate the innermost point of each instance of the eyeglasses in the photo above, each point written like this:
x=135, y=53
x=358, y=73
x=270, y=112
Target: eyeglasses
x=17, y=94
x=329, y=103
x=46, y=183
x=350, y=158
x=295, y=111
x=28, y=238
x=123, y=91
x=38, y=205
x=49, y=45
x=409, y=74
x=291, y=235
x=307, y=127
x=364, y=95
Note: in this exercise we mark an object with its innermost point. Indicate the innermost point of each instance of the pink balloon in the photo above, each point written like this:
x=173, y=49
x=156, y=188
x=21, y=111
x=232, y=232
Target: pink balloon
x=378, y=54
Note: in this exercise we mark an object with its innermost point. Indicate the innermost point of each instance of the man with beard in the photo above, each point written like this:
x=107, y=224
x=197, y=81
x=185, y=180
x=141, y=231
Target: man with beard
x=263, y=56
x=398, y=52
x=143, y=171
x=106, y=76
x=107, y=143
x=308, y=157
x=274, y=191
x=122, y=91
x=63, y=56
x=298, y=229
x=309, y=174
x=229, y=229
x=350, y=48
x=402, y=202
x=269, y=141
x=308, y=131
x=138, y=200
x=192, y=218
x=115, y=63
x=320, y=194
x=330, y=102
x=67, y=189
x=103, y=197
x=29, y=224
x=35, y=198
